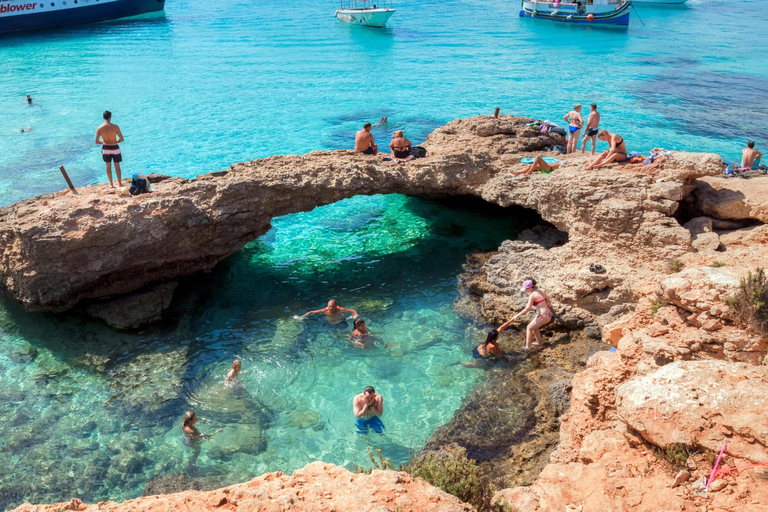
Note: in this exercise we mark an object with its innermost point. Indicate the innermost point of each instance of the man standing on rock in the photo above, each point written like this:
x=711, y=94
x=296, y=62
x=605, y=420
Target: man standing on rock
x=368, y=407
x=364, y=141
x=593, y=121
x=110, y=136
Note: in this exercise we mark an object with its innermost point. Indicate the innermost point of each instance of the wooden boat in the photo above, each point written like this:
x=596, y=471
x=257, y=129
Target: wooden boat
x=589, y=12
x=665, y=2
x=373, y=14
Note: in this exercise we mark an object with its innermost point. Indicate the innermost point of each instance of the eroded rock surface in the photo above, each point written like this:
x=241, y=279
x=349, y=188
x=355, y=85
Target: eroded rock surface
x=733, y=198
x=317, y=487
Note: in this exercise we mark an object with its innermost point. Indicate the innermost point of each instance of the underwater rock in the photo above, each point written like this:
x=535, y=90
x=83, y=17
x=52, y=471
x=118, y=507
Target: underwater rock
x=148, y=380
x=236, y=438
x=303, y=419
x=136, y=309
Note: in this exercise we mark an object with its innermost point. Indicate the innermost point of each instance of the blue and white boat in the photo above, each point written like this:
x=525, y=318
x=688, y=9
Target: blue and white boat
x=18, y=15
x=589, y=12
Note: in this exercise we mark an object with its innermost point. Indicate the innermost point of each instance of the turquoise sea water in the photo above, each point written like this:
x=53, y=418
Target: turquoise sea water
x=89, y=412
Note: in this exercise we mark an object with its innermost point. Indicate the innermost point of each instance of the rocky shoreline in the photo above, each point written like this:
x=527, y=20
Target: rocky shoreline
x=673, y=245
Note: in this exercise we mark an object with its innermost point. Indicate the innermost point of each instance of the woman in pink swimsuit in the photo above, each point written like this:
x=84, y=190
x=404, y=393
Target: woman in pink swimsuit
x=541, y=302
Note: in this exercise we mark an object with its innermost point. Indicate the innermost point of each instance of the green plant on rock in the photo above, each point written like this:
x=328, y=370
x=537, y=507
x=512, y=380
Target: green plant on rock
x=675, y=455
x=453, y=473
x=657, y=304
x=750, y=303
x=676, y=266
x=717, y=264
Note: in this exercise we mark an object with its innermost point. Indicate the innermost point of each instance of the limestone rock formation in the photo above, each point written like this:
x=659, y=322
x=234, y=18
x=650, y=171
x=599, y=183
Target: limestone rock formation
x=318, y=487
x=135, y=309
x=59, y=249
x=732, y=198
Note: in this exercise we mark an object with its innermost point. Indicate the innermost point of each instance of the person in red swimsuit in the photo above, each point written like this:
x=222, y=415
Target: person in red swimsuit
x=541, y=302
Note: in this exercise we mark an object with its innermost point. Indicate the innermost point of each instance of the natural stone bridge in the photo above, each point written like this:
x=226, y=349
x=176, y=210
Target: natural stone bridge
x=59, y=249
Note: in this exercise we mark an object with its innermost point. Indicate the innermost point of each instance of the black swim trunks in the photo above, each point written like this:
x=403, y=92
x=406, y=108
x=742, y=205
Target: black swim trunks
x=111, y=153
x=368, y=151
x=591, y=132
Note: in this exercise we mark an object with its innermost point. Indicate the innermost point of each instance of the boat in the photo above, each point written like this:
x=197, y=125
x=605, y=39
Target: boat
x=16, y=15
x=589, y=12
x=665, y=2
x=358, y=14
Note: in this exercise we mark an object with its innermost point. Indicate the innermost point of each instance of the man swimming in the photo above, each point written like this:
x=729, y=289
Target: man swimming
x=750, y=158
x=364, y=141
x=334, y=314
x=593, y=121
x=110, y=136
x=575, y=122
x=368, y=407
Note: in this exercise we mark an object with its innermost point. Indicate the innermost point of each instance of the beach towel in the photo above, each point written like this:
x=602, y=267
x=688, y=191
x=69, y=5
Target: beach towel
x=547, y=159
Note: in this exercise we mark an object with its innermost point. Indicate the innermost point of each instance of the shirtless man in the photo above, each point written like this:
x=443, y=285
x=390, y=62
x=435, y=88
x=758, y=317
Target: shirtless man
x=400, y=147
x=368, y=407
x=364, y=141
x=334, y=314
x=750, y=158
x=593, y=121
x=110, y=136
x=575, y=122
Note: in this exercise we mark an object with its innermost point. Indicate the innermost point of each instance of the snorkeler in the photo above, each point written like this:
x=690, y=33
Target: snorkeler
x=192, y=437
x=368, y=407
x=333, y=312
x=543, y=305
x=359, y=333
x=234, y=372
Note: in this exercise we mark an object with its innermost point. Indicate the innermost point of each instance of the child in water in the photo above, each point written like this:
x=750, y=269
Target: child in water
x=192, y=437
x=360, y=333
x=234, y=372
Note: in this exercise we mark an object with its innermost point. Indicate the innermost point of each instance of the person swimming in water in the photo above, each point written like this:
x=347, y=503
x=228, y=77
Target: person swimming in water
x=234, y=372
x=368, y=407
x=334, y=314
x=490, y=348
x=359, y=333
x=191, y=436
x=543, y=305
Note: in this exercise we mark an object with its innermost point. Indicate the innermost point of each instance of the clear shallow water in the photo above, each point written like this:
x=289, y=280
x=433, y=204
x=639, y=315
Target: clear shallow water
x=90, y=412
x=212, y=83
x=93, y=413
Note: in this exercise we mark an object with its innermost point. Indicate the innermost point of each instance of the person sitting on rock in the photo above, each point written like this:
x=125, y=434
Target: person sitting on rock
x=191, y=436
x=364, y=141
x=334, y=314
x=543, y=305
x=400, y=148
x=750, y=157
x=368, y=407
x=617, y=153
x=539, y=164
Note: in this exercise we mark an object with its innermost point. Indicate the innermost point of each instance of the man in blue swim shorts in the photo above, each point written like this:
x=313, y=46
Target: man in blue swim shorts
x=368, y=407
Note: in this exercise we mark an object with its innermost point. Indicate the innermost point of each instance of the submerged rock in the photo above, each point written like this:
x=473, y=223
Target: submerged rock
x=136, y=309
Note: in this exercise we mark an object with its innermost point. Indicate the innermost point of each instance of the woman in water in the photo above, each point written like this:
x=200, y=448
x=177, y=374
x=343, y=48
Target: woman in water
x=617, y=153
x=360, y=333
x=541, y=302
x=234, y=372
x=490, y=348
x=191, y=436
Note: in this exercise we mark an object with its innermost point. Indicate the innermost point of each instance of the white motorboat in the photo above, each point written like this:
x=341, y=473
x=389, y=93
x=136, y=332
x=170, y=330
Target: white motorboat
x=373, y=14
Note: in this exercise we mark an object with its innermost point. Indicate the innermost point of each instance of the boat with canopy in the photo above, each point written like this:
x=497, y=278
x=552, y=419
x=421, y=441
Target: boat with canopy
x=591, y=12
x=369, y=13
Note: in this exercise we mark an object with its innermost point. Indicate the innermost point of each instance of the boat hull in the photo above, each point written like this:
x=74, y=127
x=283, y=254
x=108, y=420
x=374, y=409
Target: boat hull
x=17, y=15
x=366, y=17
x=567, y=13
x=665, y=2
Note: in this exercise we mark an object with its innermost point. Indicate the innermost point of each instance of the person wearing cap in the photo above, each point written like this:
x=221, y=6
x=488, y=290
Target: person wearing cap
x=543, y=305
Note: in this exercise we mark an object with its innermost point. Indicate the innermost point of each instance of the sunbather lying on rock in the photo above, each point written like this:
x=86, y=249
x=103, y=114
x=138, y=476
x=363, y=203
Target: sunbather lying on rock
x=539, y=164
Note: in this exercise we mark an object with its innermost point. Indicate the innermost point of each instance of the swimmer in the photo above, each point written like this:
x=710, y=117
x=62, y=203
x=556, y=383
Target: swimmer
x=575, y=122
x=234, y=372
x=29, y=99
x=25, y=130
x=368, y=407
x=490, y=348
x=110, y=136
x=360, y=332
x=543, y=305
x=191, y=436
x=334, y=314
x=383, y=120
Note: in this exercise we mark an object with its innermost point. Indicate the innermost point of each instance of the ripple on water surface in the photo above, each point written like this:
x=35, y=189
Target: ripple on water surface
x=93, y=413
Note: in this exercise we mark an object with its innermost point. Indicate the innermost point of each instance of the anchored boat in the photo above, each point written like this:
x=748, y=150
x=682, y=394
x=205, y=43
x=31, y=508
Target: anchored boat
x=592, y=12
x=33, y=14
x=665, y=2
x=373, y=14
